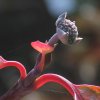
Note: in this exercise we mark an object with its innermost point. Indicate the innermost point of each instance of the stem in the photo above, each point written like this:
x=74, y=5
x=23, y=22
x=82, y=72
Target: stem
x=53, y=40
x=23, y=86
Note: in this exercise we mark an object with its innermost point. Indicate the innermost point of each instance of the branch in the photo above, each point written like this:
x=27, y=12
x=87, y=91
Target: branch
x=67, y=33
x=24, y=86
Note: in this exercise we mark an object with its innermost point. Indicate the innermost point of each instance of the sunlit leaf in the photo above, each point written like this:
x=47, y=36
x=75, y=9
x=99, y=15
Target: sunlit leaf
x=70, y=87
x=42, y=47
x=4, y=63
x=89, y=92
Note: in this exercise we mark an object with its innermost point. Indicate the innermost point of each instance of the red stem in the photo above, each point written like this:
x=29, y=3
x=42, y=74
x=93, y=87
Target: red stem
x=40, y=63
x=43, y=79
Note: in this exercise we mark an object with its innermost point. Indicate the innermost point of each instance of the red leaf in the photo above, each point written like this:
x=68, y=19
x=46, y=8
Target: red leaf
x=79, y=92
x=70, y=87
x=89, y=92
x=42, y=47
x=4, y=63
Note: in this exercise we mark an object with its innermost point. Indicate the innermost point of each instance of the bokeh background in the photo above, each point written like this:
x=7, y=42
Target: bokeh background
x=24, y=21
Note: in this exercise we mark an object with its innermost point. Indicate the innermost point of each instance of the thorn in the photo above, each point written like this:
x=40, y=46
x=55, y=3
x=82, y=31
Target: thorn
x=2, y=59
x=55, y=44
x=73, y=21
x=63, y=16
x=78, y=40
x=46, y=41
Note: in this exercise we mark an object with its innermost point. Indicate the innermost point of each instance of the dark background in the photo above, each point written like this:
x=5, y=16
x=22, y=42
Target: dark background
x=24, y=21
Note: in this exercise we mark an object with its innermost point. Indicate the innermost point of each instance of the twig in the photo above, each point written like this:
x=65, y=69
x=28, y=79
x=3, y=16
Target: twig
x=25, y=85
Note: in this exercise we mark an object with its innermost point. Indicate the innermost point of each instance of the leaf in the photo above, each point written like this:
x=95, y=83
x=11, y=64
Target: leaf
x=89, y=92
x=42, y=47
x=4, y=63
x=79, y=92
x=70, y=87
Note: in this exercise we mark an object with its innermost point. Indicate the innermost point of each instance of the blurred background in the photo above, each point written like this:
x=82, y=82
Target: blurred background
x=22, y=22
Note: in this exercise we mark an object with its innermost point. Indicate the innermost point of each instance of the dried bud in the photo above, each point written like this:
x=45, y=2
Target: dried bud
x=66, y=30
